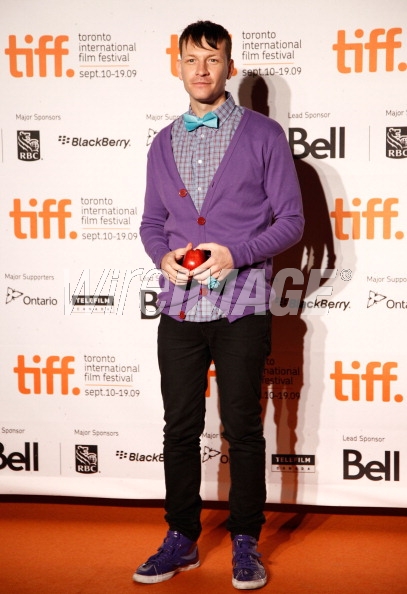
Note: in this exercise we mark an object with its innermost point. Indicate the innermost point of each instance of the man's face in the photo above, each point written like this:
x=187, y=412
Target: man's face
x=204, y=72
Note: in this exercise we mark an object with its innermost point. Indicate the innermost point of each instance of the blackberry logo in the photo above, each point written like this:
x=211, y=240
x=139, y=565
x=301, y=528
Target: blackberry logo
x=396, y=143
x=121, y=455
x=102, y=141
x=28, y=145
x=86, y=459
x=64, y=139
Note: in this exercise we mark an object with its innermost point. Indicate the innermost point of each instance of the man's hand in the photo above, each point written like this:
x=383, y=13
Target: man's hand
x=176, y=273
x=218, y=265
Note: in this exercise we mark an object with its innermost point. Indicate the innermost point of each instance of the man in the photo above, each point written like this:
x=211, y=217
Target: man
x=221, y=178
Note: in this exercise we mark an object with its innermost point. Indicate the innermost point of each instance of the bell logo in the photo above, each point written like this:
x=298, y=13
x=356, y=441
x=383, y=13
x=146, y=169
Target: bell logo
x=320, y=148
x=376, y=208
x=29, y=61
x=372, y=470
x=54, y=366
x=380, y=40
x=375, y=381
x=51, y=209
x=17, y=461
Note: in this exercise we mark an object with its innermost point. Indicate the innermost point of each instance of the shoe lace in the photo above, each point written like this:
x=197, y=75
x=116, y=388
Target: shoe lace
x=245, y=555
x=167, y=550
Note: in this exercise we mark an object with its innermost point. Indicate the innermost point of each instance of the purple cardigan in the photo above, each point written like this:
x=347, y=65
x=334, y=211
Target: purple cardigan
x=253, y=206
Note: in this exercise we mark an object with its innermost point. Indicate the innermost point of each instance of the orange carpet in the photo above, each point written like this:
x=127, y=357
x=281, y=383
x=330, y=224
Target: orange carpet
x=81, y=548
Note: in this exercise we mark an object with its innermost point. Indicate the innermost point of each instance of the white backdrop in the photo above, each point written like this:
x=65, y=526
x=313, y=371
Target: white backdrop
x=85, y=86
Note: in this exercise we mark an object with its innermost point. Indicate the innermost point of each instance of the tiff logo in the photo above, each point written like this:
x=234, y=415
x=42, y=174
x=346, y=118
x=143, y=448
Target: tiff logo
x=29, y=61
x=376, y=381
x=380, y=40
x=47, y=214
x=54, y=366
x=376, y=209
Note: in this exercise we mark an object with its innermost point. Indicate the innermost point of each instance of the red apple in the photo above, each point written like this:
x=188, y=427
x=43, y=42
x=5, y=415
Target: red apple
x=193, y=259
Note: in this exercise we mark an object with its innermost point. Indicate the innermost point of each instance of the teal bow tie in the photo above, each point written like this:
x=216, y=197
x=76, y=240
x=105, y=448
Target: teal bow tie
x=192, y=122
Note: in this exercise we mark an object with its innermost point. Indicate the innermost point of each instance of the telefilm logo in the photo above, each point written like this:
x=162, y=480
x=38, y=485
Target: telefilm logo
x=17, y=461
x=41, y=221
x=86, y=459
x=354, y=469
x=293, y=463
x=30, y=375
x=28, y=145
x=374, y=52
x=108, y=296
x=97, y=142
x=396, y=143
x=13, y=295
x=41, y=57
x=320, y=148
x=372, y=221
x=373, y=384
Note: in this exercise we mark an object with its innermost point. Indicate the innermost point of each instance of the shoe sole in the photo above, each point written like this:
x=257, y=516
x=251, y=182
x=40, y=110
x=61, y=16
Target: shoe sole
x=253, y=585
x=155, y=579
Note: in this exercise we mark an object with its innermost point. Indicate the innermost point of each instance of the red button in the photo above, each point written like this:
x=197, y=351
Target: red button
x=182, y=315
x=201, y=221
x=183, y=192
x=204, y=291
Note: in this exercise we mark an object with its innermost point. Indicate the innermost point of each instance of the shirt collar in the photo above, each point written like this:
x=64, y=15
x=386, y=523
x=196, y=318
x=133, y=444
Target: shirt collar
x=224, y=110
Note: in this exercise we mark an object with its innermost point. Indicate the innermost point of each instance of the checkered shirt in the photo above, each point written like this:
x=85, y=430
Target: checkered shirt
x=197, y=155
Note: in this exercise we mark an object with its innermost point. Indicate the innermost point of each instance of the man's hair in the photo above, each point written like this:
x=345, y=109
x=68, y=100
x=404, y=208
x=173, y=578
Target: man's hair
x=212, y=33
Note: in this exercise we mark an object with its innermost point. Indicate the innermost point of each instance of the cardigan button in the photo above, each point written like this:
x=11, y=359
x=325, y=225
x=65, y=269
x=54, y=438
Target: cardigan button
x=183, y=192
x=182, y=315
x=204, y=291
x=201, y=221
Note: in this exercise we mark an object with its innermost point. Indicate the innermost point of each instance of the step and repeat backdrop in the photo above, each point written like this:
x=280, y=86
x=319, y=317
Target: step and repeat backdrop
x=85, y=87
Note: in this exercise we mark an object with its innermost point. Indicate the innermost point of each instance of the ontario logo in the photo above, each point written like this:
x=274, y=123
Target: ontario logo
x=28, y=145
x=396, y=142
x=86, y=459
x=13, y=295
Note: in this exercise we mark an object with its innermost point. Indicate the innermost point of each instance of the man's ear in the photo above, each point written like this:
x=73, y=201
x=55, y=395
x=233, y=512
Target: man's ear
x=231, y=69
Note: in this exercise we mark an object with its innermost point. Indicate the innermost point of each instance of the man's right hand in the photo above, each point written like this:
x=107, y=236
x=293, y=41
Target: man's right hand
x=170, y=267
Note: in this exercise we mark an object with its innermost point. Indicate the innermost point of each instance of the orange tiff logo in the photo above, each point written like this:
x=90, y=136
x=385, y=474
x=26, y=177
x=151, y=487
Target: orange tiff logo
x=372, y=384
x=51, y=210
x=29, y=377
x=350, y=223
x=351, y=55
x=44, y=60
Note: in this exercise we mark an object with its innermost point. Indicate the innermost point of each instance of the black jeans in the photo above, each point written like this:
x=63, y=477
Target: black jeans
x=185, y=352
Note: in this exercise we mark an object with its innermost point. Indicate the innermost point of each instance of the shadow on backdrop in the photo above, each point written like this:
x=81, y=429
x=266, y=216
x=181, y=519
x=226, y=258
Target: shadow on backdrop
x=285, y=378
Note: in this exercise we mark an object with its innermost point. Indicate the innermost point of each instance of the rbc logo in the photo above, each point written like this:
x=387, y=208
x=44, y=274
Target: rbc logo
x=86, y=458
x=28, y=145
x=396, y=143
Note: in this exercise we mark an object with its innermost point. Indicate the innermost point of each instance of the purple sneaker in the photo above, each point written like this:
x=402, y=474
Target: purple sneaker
x=248, y=570
x=177, y=553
